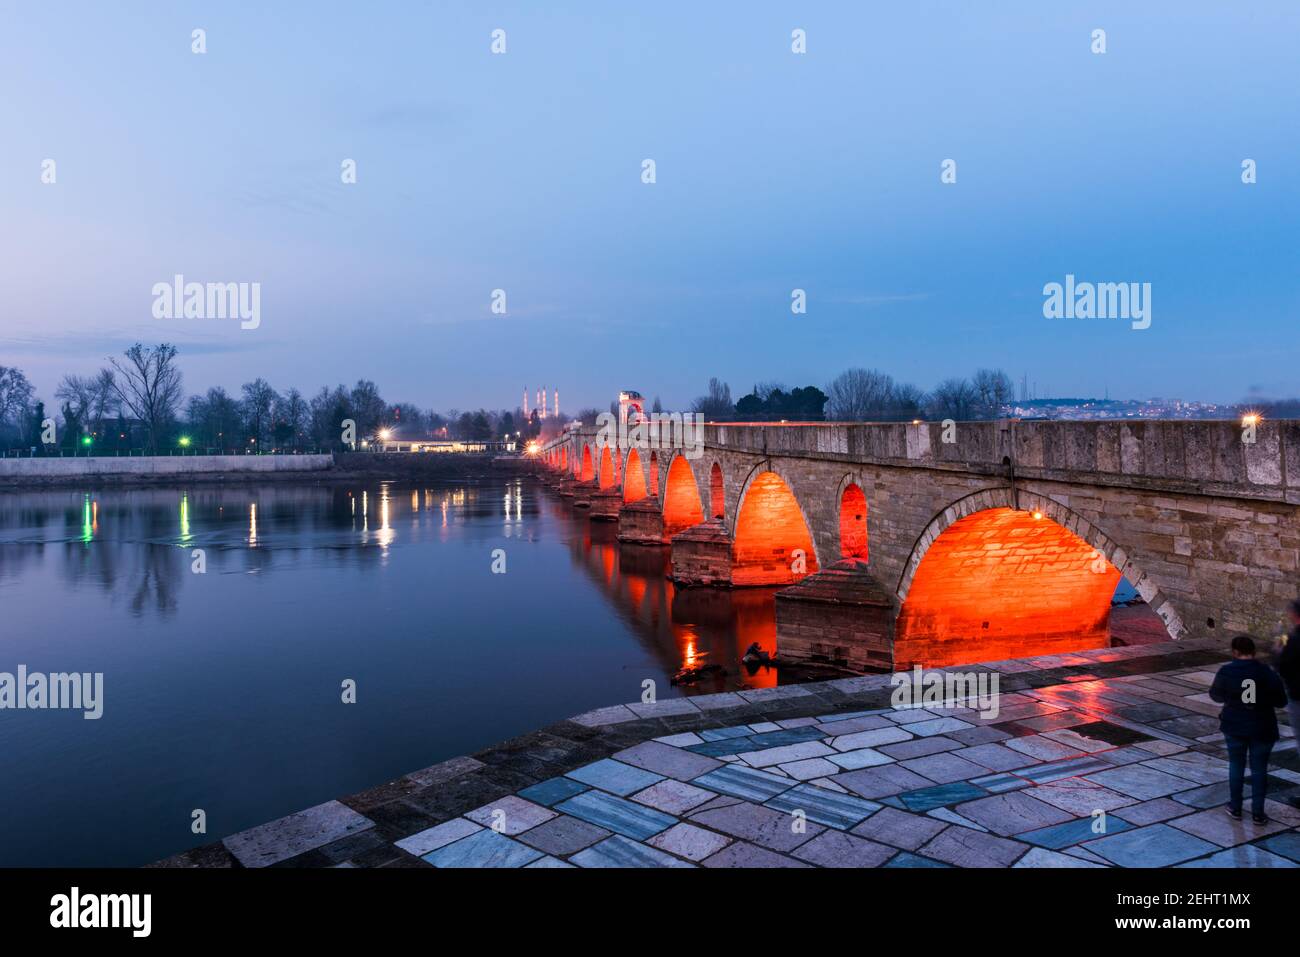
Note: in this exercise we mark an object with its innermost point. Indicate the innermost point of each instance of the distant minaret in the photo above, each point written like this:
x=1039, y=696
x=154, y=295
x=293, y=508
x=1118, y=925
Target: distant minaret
x=541, y=404
x=557, y=403
x=525, y=402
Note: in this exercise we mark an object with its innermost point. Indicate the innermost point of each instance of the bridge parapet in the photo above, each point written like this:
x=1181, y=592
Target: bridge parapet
x=1197, y=456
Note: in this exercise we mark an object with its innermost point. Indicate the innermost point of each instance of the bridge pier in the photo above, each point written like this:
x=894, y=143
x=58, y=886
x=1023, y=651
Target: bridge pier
x=841, y=615
x=641, y=523
x=606, y=503
x=583, y=493
x=701, y=555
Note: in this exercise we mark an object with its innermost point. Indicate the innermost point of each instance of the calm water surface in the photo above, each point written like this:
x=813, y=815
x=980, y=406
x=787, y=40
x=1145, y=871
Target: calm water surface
x=222, y=690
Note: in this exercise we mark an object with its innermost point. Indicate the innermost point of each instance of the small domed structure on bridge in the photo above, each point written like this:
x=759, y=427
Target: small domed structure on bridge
x=631, y=407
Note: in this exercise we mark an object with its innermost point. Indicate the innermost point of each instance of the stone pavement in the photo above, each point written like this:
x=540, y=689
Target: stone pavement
x=1095, y=759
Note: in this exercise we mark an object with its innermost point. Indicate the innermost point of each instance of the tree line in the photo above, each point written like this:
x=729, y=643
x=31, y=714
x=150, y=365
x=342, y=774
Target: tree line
x=861, y=395
x=136, y=403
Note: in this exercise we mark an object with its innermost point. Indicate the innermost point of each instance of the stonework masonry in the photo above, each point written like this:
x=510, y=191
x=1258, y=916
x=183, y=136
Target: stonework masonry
x=1205, y=526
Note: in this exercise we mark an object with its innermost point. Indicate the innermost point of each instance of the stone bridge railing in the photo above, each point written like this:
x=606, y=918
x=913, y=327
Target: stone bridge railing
x=1188, y=456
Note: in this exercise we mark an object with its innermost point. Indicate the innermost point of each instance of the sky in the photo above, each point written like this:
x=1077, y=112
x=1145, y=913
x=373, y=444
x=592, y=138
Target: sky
x=774, y=170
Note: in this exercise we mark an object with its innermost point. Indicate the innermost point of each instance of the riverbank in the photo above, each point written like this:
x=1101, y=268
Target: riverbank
x=712, y=781
x=145, y=471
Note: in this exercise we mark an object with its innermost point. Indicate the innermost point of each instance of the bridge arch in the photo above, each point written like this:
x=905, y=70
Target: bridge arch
x=717, y=493
x=682, y=506
x=772, y=541
x=654, y=476
x=633, y=478
x=588, y=470
x=1002, y=575
x=851, y=501
x=564, y=457
x=606, y=475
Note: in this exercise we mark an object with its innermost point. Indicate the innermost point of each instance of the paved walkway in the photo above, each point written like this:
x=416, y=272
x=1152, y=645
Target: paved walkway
x=1096, y=759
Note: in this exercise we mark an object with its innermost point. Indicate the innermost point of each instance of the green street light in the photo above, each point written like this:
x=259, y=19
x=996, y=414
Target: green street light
x=86, y=440
x=184, y=440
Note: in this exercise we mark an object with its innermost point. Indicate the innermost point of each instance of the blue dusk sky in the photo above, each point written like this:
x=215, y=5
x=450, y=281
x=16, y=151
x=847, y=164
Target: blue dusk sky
x=775, y=171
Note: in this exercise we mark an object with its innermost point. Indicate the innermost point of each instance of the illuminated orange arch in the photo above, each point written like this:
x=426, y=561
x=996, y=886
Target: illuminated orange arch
x=634, y=478
x=564, y=456
x=654, y=475
x=588, y=469
x=605, y=477
x=682, y=506
x=771, y=544
x=988, y=580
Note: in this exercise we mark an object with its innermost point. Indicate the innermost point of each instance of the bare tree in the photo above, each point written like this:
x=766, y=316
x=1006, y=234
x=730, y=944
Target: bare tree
x=74, y=392
x=148, y=383
x=717, y=404
x=15, y=406
x=994, y=390
x=291, y=414
x=909, y=400
x=368, y=407
x=953, y=399
x=259, y=399
x=15, y=393
x=88, y=400
x=858, y=395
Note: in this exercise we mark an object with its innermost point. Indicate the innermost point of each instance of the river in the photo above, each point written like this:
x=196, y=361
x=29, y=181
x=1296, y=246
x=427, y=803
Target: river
x=222, y=689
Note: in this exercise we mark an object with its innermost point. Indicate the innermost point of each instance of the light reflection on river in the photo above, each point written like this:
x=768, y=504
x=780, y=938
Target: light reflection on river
x=222, y=689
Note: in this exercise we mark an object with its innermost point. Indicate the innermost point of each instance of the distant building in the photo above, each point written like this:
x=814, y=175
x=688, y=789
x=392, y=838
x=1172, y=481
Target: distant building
x=631, y=407
x=393, y=440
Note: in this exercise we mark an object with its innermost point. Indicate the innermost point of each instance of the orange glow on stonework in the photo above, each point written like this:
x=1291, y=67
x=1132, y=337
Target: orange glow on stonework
x=772, y=545
x=682, y=507
x=588, y=469
x=853, y=524
x=717, y=492
x=634, y=483
x=1002, y=584
x=606, y=473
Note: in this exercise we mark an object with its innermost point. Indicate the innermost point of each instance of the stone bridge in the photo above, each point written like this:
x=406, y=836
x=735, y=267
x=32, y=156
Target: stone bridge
x=897, y=543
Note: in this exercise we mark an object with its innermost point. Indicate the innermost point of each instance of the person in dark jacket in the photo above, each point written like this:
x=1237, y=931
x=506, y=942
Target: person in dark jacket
x=1288, y=666
x=1249, y=692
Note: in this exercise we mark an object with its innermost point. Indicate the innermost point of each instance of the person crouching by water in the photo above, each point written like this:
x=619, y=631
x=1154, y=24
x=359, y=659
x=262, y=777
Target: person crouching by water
x=1249, y=692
